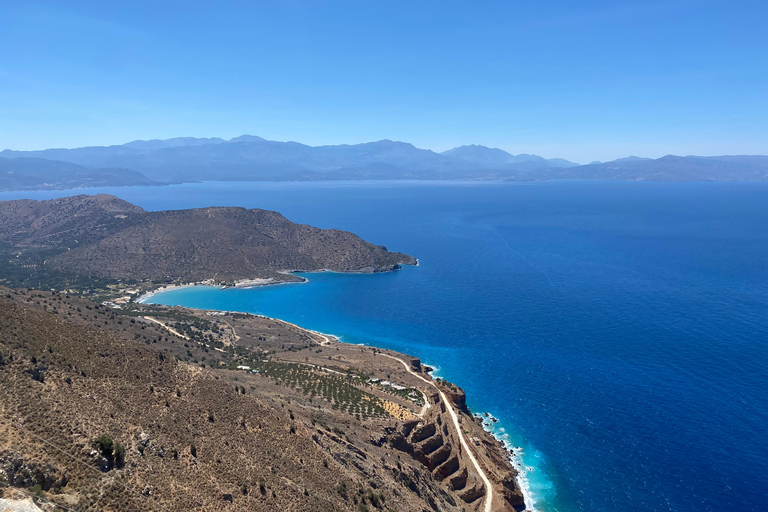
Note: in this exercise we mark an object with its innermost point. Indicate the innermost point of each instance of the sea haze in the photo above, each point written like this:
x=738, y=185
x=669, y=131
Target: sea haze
x=619, y=331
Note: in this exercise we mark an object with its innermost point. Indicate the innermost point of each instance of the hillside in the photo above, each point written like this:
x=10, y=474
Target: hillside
x=42, y=174
x=154, y=408
x=102, y=236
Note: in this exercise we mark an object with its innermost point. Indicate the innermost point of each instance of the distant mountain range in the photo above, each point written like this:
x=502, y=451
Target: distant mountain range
x=671, y=168
x=38, y=173
x=251, y=158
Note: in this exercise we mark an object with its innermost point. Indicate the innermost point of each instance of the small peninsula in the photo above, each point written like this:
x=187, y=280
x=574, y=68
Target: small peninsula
x=80, y=238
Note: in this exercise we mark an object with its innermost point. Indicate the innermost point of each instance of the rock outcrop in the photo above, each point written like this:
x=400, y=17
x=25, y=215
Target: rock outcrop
x=16, y=471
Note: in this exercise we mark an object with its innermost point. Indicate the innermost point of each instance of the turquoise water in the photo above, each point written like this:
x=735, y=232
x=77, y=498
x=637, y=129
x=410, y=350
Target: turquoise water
x=619, y=331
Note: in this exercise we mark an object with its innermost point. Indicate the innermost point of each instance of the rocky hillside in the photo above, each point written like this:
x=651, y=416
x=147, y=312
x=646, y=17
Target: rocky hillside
x=103, y=236
x=63, y=223
x=153, y=408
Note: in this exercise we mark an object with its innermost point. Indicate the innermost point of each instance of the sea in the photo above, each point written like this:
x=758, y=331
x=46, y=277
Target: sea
x=617, y=331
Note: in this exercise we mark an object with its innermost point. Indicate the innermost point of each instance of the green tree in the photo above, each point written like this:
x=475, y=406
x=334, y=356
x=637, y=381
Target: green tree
x=119, y=452
x=105, y=445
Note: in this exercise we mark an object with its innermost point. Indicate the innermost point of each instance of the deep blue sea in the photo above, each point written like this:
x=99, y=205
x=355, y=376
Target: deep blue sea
x=619, y=331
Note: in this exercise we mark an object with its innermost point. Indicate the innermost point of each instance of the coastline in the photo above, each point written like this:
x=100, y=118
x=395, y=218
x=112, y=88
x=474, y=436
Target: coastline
x=143, y=298
x=488, y=421
x=514, y=459
x=513, y=455
x=256, y=282
x=242, y=283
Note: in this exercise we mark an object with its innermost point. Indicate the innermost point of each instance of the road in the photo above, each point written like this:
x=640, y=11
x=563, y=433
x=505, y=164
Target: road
x=448, y=406
x=170, y=329
x=462, y=439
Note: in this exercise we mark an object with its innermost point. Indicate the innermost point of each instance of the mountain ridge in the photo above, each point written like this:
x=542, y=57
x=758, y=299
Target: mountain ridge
x=250, y=157
x=675, y=168
x=253, y=158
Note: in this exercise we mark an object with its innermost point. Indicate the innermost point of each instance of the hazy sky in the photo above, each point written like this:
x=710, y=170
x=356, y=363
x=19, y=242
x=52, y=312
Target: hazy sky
x=581, y=80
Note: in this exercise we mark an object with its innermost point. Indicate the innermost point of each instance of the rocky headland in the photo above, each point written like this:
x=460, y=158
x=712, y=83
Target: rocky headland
x=77, y=239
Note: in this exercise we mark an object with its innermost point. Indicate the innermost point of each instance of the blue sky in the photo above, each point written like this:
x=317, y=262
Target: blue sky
x=583, y=80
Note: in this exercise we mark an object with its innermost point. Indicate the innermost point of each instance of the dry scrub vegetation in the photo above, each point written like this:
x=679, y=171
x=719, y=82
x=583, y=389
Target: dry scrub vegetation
x=105, y=410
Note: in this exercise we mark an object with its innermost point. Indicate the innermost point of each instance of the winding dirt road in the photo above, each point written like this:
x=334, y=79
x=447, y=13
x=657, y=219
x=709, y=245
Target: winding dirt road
x=464, y=443
x=168, y=328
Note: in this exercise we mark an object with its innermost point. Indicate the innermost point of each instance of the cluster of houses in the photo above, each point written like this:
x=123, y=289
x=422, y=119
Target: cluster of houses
x=380, y=382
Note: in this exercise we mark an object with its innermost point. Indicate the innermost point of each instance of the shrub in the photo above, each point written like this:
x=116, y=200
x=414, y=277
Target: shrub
x=105, y=445
x=119, y=455
x=374, y=499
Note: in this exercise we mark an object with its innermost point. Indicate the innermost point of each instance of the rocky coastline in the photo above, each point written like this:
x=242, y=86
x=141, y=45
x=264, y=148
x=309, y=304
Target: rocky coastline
x=428, y=439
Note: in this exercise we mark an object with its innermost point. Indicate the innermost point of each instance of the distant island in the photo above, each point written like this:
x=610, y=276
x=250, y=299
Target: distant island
x=251, y=158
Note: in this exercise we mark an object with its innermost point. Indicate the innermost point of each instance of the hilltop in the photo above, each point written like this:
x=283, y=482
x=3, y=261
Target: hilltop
x=103, y=237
